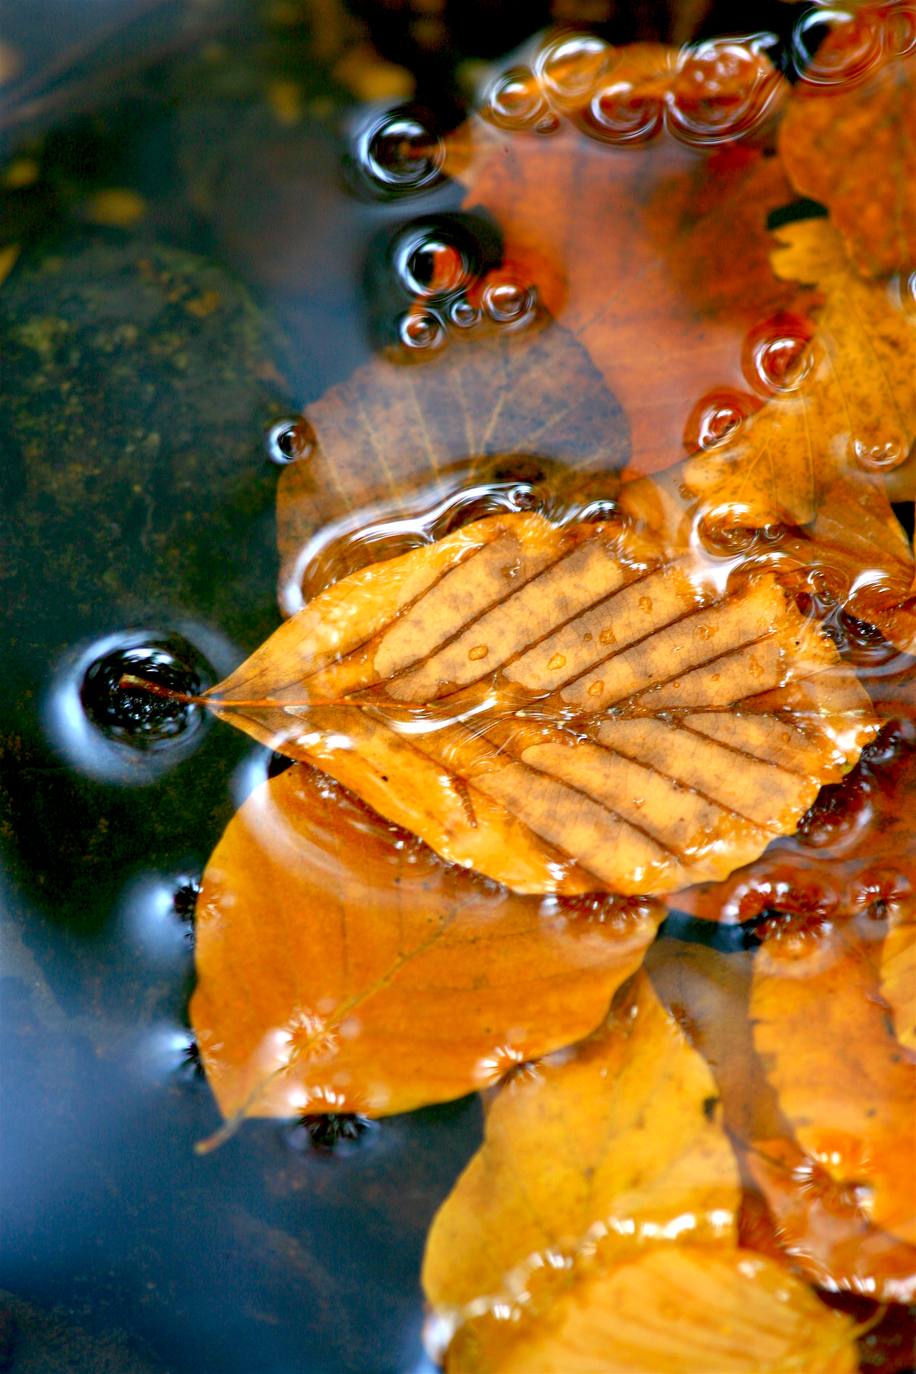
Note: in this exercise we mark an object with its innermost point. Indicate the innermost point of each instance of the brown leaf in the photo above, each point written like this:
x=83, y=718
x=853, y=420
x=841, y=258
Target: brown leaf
x=343, y=967
x=596, y=1226
x=396, y=444
x=793, y=1206
x=560, y=707
x=851, y=142
x=849, y=406
x=654, y=255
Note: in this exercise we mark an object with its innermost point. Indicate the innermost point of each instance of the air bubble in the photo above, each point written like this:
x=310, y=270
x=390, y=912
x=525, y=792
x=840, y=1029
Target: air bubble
x=133, y=715
x=463, y=314
x=515, y=102
x=850, y=47
x=715, y=419
x=430, y=265
x=879, y=457
x=723, y=88
x=290, y=441
x=571, y=68
x=399, y=155
x=777, y=356
x=616, y=114
x=421, y=329
x=508, y=301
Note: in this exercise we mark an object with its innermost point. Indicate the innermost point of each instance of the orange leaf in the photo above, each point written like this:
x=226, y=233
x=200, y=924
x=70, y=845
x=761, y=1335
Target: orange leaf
x=851, y=142
x=843, y=1082
x=793, y=1207
x=898, y=973
x=654, y=255
x=343, y=967
x=560, y=707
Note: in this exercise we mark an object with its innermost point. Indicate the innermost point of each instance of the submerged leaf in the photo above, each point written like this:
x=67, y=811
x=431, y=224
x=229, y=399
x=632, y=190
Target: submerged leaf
x=852, y=145
x=561, y=708
x=343, y=967
x=851, y=405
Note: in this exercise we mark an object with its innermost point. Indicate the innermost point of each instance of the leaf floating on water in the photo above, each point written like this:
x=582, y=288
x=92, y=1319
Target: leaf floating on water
x=595, y=1229
x=898, y=972
x=850, y=405
x=852, y=144
x=560, y=707
x=343, y=967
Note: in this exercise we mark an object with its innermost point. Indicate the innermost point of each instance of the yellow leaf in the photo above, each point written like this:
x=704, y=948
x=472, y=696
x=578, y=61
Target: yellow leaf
x=854, y=409
x=561, y=708
x=343, y=967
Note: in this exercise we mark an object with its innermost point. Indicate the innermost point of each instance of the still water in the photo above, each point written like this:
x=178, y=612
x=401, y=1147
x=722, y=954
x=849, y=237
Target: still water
x=212, y=230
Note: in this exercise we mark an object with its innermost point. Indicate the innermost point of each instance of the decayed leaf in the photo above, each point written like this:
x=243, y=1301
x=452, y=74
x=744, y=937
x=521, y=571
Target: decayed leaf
x=854, y=408
x=672, y=1311
x=655, y=256
x=853, y=146
x=793, y=1208
x=898, y=973
x=595, y=1229
x=396, y=441
x=853, y=851
x=843, y=1082
x=560, y=707
x=343, y=967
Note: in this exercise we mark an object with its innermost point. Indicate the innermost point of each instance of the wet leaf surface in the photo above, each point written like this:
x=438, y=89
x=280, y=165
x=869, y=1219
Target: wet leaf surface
x=852, y=143
x=560, y=708
x=849, y=404
x=343, y=967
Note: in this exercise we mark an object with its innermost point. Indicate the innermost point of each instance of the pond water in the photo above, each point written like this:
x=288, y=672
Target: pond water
x=205, y=220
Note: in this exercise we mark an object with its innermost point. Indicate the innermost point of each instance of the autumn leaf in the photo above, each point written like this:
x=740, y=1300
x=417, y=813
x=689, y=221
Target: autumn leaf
x=793, y=1207
x=853, y=851
x=850, y=404
x=851, y=143
x=654, y=255
x=843, y=1081
x=491, y=419
x=561, y=708
x=605, y=1187
x=342, y=966
x=898, y=972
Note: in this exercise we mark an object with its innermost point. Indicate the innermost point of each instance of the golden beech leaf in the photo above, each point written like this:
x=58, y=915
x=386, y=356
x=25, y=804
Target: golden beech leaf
x=595, y=1229
x=852, y=143
x=673, y=1311
x=342, y=966
x=397, y=440
x=651, y=252
x=561, y=707
x=793, y=1206
x=850, y=406
x=845, y=1085
x=613, y=1138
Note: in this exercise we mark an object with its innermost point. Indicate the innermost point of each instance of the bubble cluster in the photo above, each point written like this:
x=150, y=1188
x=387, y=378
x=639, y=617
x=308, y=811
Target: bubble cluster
x=712, y=92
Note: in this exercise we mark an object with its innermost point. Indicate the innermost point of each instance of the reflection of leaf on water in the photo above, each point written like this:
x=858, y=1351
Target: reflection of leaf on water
x=333, y=952
x=562, y=708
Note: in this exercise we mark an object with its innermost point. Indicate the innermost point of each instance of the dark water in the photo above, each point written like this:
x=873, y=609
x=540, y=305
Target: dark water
x=148, y=346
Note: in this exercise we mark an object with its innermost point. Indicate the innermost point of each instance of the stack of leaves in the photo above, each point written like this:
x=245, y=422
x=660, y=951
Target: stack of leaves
x=546, y=674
